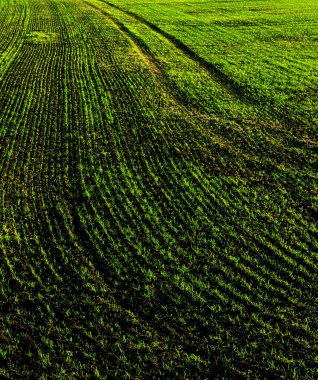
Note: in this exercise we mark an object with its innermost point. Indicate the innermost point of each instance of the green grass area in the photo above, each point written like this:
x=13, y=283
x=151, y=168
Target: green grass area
x=40, y=37
x=158, y=189
x=268, y=48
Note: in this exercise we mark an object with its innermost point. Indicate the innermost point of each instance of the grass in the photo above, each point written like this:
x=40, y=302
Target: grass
x=158, y=189
x=40, y=37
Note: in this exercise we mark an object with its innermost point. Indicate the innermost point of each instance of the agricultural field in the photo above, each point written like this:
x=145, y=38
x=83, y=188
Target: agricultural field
x=158, y=189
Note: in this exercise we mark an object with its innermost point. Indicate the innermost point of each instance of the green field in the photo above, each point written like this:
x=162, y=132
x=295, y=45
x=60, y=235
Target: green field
x=158, y=189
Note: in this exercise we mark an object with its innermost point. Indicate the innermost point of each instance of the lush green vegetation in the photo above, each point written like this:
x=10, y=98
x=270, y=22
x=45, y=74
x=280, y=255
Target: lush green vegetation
x=158, y=189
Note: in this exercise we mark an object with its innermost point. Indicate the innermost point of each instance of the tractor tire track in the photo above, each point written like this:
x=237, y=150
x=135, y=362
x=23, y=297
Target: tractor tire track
x=218, y=75
x=245, y=94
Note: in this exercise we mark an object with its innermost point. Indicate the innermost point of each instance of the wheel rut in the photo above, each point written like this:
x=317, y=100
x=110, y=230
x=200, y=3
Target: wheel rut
x=243, y=93
x=217, y=74
x=177, y=94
